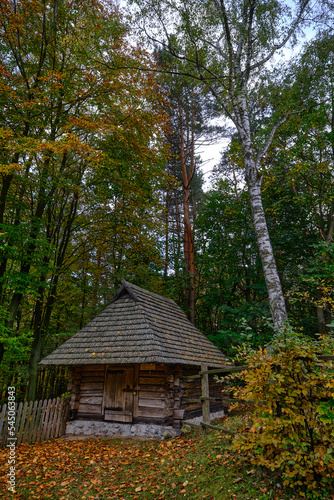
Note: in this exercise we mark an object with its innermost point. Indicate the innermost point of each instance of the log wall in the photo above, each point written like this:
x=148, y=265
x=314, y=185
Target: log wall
x=87, y=385
x=158, y=393
x=152, y=402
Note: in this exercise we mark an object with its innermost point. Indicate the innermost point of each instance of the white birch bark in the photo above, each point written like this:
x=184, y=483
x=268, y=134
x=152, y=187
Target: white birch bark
x=253, y=179
x=273, y=283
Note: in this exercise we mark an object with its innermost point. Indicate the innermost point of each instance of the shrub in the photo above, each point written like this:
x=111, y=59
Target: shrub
x=293, y=433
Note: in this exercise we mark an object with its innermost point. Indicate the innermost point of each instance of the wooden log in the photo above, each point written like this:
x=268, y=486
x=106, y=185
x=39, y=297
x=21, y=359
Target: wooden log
x=94, y=392
x=192, y=406
x=89, y=386
x=89, y=378
x=219, y=429
x=228, y=369
x=243, y=401
x=225, y=400
x=160, y=394
x=178, y=414
x=121, y=416
x=190, y=424
x=205, y=394
x=91, y=400
x=152, y=381
x=88, y=408
x=91, y=369
x=231, y=369
x=152, y=403
x=152, y=367
x=209, y=426
x=150, y=412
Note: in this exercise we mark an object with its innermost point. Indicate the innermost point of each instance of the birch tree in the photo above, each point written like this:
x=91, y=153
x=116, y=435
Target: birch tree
x=228, y=46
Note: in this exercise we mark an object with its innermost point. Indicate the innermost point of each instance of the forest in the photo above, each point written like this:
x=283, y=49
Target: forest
x=104, y=110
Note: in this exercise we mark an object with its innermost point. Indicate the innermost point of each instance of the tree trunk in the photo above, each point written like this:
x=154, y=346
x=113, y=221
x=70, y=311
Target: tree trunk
x=253, y=179
x=189, y=257
x=166, y=236
x=273, y=284
x=187, y=152
x=35, y=357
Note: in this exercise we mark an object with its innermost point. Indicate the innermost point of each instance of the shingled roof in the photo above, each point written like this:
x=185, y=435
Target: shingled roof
x=138, y=327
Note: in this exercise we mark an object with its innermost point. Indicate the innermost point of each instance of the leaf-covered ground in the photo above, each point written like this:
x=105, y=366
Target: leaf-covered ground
x=191, y=467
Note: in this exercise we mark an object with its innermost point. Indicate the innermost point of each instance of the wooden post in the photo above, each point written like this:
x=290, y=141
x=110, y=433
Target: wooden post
x=205, y=394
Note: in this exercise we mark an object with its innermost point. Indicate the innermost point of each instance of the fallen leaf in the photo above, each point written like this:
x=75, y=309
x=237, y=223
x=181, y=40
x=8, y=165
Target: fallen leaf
x=238, y=480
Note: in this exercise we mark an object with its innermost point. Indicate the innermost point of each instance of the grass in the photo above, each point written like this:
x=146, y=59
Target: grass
x=194, y=466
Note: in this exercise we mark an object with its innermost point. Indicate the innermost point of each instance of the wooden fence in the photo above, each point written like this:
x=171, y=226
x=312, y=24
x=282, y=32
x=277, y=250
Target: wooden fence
x=35, y=421
x=205, y=398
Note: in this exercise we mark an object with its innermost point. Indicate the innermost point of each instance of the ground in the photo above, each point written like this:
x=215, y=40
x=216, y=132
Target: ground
x=193, y=466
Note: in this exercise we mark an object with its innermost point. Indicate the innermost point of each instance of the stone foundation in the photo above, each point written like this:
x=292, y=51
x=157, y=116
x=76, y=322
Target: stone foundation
x=96, y=428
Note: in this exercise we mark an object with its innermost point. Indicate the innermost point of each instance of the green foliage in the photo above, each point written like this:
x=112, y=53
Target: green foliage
x=232, y=287
x=250, y=324
x=81, y=162
x=293, y=433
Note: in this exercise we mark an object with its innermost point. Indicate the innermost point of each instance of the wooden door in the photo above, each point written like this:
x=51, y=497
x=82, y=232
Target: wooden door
x=118, y=395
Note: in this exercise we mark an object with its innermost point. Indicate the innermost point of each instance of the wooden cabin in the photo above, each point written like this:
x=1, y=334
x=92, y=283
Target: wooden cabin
x=128, y=365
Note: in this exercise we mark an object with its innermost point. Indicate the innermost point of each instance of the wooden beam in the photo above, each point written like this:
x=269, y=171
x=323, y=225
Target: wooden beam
x=326, y=357
x=209, y=426
x=190, y=424
x=219, y=429
x=230, y=369
x=205, y=395
x=243, y=401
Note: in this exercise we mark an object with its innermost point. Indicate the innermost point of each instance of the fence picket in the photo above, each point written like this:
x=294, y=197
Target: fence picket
x=20, y=424
x=49, y=419
x=27, y=423
x=64, y=417
x=41, y=420
x=2, y=417
x=44, y=420
x=36, y=421
x=59, y=417
x=18, y=417
x=3, y=425
x=32, y=422
x=54, y=419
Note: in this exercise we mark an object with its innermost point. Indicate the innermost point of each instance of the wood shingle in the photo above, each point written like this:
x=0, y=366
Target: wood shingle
x=138, y=327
